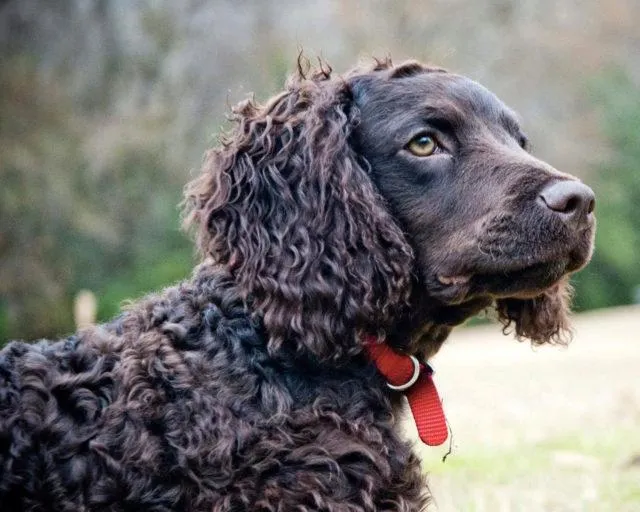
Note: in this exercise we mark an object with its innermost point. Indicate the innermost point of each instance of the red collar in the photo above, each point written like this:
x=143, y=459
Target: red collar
x=414, y=379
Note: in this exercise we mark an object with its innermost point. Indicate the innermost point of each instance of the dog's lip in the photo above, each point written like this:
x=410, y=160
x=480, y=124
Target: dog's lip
x=507, y=283
x=454, y=280
x=457, y=287
x=453, y=287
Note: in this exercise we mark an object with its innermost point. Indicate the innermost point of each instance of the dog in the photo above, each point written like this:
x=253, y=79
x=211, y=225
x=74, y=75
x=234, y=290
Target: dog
x=345, y=228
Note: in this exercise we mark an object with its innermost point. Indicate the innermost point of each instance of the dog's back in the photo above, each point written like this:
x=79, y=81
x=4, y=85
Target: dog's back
x=177, y=405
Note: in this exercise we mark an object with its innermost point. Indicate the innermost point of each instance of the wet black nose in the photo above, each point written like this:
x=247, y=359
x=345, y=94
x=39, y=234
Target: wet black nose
x=573, y=200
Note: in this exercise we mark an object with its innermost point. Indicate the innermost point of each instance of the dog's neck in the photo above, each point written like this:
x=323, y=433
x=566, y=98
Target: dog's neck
x=421, y=330
x=424, y=329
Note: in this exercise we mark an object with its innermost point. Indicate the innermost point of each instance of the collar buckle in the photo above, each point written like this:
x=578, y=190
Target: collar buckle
x=412, y=380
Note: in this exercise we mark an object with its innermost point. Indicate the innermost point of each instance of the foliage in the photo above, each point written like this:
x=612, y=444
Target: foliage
x=79, y=213
x=613, y=276
x=37, y=204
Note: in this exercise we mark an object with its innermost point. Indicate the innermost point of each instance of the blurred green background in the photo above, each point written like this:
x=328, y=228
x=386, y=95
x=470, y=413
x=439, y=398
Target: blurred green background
x=106, y=107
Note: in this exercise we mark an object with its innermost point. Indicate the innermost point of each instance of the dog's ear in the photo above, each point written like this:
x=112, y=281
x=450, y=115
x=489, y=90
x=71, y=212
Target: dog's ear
x=542, y=319
x=287, y=206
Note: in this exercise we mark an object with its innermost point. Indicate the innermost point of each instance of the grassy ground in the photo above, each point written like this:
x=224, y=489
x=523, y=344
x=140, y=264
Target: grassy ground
x=546, y=429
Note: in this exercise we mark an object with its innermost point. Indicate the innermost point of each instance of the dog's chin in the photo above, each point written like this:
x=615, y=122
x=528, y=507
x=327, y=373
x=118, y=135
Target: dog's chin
x=522, y=283
x=508, y=277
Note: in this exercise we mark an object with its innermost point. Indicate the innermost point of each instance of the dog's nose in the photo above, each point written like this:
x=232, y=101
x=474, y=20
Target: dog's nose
x=573, y=200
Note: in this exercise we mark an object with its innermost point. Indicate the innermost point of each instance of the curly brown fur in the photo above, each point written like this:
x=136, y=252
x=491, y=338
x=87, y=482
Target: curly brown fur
x=283, y=205
x=245, y=387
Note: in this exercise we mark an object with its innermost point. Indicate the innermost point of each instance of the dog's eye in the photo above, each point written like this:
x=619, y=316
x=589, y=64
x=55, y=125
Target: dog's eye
x=422, y=145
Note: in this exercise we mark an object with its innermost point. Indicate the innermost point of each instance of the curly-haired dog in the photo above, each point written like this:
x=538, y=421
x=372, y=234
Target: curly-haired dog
x=391, y=204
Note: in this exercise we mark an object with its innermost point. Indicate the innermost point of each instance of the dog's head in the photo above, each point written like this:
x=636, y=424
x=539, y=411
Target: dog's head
x=489, y=223
x=400, y=199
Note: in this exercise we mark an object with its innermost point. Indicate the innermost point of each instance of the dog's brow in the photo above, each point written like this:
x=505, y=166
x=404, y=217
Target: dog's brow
x=444, y=113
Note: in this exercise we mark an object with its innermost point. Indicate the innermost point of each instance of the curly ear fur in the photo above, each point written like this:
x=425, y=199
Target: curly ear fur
x=542, y=319
x=287, y=207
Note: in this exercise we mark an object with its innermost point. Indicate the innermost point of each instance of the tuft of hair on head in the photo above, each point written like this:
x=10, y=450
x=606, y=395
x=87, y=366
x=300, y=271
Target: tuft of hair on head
x=381, y=64
x=305, y=71
x=408, y=69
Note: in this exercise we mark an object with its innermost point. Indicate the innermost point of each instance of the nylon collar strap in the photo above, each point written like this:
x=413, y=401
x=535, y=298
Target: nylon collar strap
x=414, y=379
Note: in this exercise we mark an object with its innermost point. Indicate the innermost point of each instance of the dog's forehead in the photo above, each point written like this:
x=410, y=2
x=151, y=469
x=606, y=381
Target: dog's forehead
x=476, y=98
x=446, y=92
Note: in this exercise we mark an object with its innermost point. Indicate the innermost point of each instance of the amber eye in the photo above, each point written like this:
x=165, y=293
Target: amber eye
x=422, y=145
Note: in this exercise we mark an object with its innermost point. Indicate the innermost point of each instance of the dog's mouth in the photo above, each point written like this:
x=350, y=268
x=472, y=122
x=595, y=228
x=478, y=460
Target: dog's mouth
x=518, y=282
x=497, y=277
